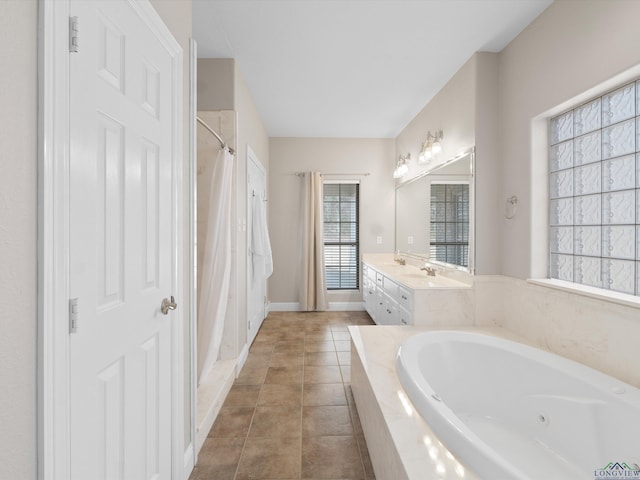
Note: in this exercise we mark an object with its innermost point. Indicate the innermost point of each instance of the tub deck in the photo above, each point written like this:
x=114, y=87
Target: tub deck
x=401, y=444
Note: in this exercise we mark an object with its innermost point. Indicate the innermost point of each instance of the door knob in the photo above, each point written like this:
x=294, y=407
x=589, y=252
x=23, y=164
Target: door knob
x=168, y=305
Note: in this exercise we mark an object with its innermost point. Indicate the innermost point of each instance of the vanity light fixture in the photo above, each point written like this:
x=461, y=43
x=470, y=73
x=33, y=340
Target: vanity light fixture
x=401, y=166
x=431, y=147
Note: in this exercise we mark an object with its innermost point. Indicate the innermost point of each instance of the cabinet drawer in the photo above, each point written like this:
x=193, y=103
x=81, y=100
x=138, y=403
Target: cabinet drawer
x=404, y=317
x=390, y=287
x=379, y=279
x=389, y=311
x=405, y=298
x=371, y=274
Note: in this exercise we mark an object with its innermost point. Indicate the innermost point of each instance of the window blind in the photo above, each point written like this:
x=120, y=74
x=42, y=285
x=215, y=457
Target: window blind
x=449, y=225
x=341, y=235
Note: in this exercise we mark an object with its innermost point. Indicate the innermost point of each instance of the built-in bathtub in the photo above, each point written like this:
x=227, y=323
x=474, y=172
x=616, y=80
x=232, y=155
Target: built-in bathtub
x=510, y=411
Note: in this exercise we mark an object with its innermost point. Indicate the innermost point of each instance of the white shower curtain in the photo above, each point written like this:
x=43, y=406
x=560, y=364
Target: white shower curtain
x=216, y=266
x=313, y=284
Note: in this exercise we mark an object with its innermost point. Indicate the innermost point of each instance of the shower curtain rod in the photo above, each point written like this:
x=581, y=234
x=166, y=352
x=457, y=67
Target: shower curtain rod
x=222, y=142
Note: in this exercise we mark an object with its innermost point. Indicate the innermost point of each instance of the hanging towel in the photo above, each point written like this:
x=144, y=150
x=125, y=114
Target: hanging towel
x=262, y=260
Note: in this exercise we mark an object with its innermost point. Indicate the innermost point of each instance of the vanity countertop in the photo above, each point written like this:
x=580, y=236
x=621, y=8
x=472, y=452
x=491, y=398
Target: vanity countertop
x=410, y=275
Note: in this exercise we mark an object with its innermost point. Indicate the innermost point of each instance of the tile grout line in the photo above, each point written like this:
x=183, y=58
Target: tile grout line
x=304, y=352
x=255, y=408
x=349, y=406
x=304, y=323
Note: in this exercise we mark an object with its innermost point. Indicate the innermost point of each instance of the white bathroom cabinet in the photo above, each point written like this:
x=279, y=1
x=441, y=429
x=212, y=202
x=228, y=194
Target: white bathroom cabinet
x=396, y=294
x=387, y=302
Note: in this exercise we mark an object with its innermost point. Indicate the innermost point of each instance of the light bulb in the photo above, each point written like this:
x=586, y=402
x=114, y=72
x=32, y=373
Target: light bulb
x=428, y=153
x=436, y=148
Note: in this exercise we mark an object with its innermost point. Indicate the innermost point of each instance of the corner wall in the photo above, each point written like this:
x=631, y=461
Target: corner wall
x=289, y=156
x=571, y=47
x=466, y=110
x=18, y=237
x=221, y=86
x=451, y=110
x=251, y=133
x=177, y=17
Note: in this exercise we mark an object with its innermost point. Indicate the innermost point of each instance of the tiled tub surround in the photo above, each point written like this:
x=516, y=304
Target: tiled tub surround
x=290, y=413
x=601, y=334
x=508, y=410
x=401, y=444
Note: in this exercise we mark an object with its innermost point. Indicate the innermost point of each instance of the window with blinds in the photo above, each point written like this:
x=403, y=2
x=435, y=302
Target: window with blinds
x=594, y=192
x=449, y=225
x=341, y=235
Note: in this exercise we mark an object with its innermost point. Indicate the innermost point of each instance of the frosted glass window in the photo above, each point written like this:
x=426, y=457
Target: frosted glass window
x=594, y=192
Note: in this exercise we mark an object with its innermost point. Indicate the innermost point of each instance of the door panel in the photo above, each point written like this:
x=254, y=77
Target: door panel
x=121, y=245
x=256, y=280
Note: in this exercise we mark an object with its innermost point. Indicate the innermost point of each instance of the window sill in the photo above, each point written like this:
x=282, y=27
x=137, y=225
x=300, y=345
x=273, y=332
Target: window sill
x=587, y=291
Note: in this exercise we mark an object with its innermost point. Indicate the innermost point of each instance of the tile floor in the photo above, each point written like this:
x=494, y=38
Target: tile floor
x=290, y=414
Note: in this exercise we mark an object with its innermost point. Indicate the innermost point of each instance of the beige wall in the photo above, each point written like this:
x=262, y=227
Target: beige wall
x=291, y=155
x=220, y=82
x=216, y=83
x=18, y=236
x=466, y=110
x=251, y=133
x=177, y=16
x=487, y=167
x=573, y=46
x=451, y=110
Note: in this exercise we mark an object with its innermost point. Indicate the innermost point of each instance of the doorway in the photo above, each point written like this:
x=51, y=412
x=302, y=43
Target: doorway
x=256, y=277
x=110, y=240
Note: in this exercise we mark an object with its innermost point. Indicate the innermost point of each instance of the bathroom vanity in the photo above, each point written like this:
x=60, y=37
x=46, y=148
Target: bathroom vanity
x=405, y=294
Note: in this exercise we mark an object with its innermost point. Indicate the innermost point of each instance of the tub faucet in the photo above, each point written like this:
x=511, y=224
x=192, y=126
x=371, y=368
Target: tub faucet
x=430, y=271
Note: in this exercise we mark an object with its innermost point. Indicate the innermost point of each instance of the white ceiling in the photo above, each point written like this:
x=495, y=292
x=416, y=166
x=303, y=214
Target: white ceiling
x=352, y=68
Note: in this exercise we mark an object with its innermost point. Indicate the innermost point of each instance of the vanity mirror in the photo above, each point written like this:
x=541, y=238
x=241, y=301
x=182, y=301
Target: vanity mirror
x=435, y=214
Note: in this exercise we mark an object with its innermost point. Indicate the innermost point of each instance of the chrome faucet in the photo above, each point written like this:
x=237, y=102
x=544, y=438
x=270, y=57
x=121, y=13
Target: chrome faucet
x=430, y=271
x=401, y=261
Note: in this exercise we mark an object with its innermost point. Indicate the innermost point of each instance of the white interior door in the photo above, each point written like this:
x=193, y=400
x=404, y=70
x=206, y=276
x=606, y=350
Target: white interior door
x=122, y=245
x=256, y=280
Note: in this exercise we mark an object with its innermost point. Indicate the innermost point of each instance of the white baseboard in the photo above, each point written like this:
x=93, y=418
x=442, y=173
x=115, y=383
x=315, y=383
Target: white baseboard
x=242, y=358
x=333, y=306
x=212, y=392
x=189, y=462
x=284, y=307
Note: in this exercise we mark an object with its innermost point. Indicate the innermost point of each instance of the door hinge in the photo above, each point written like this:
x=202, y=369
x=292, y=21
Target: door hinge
x=73, y=315
x=73, y=34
